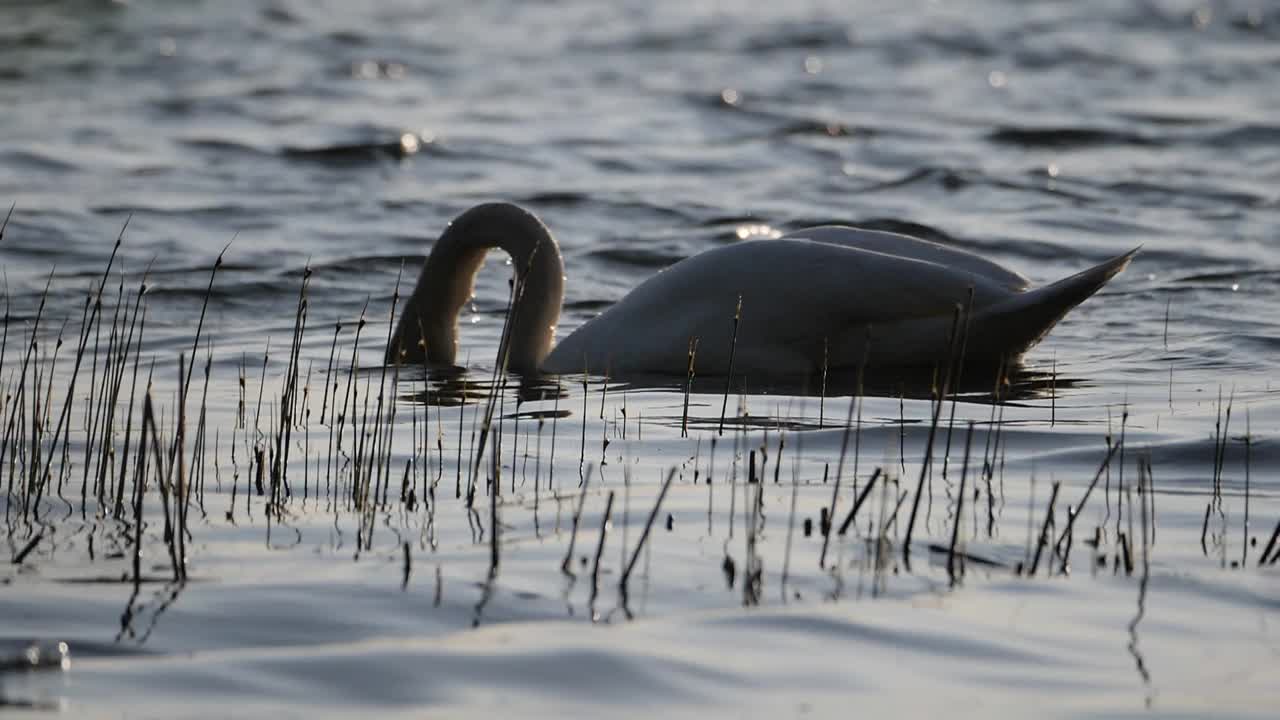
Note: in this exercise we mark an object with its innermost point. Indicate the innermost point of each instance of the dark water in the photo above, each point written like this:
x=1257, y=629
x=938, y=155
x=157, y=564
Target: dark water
x=1046, y=137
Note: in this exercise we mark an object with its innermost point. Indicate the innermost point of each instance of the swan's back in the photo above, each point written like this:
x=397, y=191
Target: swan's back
x=915, y=248
x=817, y=288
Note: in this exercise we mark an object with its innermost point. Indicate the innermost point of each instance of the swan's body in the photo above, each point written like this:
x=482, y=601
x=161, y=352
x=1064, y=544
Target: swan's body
x=819, y=293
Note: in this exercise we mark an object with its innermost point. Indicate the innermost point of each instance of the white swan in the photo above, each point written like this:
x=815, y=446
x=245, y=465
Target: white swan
x=815, y=291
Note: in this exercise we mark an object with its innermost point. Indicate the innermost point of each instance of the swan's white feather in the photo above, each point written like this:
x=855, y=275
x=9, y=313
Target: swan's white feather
x=823, y=284
x=916, y=248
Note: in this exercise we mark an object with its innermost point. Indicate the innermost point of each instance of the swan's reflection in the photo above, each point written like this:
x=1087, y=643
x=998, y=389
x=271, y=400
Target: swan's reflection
x=453, y=386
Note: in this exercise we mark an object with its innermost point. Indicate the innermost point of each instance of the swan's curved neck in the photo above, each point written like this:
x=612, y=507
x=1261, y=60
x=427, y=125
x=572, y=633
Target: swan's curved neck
x=428, y=326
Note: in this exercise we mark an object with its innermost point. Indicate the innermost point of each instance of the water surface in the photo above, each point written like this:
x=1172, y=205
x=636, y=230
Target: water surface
x=344, y=138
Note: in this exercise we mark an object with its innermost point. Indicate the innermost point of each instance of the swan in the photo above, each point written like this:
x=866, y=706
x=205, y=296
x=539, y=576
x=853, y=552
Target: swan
x=832, y=295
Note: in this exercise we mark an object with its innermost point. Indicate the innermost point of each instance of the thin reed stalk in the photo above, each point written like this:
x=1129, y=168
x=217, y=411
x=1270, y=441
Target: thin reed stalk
x=644, y=536
x=835, y=488
x=1079, y=508
x=1045, y=529
x=566, y=566
x=791, y=517
x=955, y=529
x=733, y=351
x=964, y=342
x=595, y=566
x=857, y=504
x=1271, y=545
x=928, y=449
x=688, y=387
x=1244, y=528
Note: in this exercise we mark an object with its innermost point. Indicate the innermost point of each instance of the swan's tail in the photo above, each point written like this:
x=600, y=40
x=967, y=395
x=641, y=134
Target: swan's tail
x=1022, y=320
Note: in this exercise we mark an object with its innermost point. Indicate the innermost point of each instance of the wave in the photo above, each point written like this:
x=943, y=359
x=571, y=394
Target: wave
x=1062, y=138
x=359, y=153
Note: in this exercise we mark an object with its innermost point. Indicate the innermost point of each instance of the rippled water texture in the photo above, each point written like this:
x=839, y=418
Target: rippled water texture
x=344, y=136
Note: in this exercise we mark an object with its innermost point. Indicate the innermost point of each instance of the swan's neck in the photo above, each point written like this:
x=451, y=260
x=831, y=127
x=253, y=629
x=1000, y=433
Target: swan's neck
x=428, y=326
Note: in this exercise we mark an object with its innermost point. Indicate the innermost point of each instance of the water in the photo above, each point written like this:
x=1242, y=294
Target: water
x=1046, y=138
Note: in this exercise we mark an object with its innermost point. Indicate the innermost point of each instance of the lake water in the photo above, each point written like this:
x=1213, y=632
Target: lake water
x=355, y=575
